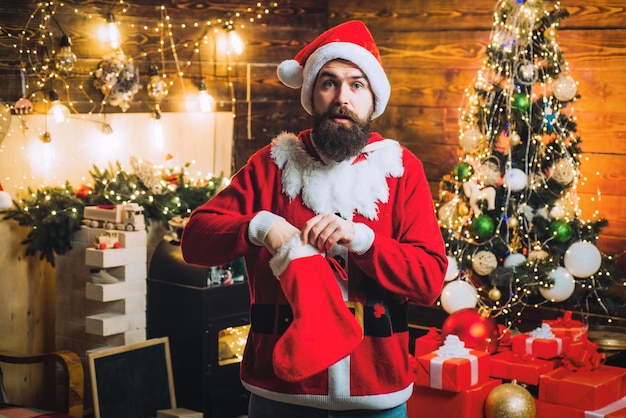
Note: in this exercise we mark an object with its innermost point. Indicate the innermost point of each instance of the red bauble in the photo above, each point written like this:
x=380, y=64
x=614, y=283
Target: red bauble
x=83, y=191
x=477, y=330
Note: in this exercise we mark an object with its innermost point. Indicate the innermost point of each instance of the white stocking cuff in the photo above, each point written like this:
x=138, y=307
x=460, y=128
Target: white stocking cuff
x=289, y=251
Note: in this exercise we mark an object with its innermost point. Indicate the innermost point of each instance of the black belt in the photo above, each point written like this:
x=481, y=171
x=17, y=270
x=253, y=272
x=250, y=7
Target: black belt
x=275, y=319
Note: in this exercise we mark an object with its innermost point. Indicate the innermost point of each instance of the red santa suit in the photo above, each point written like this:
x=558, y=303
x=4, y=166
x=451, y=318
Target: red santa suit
x=397, y=256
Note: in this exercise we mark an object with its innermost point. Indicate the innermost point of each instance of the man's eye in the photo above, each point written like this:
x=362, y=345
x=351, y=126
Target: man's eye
x=329, y=83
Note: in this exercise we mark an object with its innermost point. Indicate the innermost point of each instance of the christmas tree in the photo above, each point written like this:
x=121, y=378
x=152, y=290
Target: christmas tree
x=508, y=210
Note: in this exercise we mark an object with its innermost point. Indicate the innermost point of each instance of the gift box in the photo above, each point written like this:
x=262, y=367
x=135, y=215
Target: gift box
x=523, y=368
x=428, y=343
x=452, y=367
x=549, y=410
x=540, y=343
x=615, y=410
x=583, y=389
x=566, y=327
x=434, y=403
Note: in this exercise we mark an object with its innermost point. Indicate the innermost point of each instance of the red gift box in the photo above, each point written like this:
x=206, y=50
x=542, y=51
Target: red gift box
x=452, y=369
x=549, y=410
x=583, y=389
x=434, y=403
x=427, y=343
x=540, y=343
x=523, y=368
x=615, y=410
x=566, y=327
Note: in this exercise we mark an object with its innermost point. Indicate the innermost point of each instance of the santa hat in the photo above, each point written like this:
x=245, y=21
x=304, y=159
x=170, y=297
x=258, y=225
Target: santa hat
x=350, y=41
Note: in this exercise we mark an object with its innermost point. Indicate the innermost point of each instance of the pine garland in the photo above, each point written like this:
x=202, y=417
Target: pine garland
x=55, y=214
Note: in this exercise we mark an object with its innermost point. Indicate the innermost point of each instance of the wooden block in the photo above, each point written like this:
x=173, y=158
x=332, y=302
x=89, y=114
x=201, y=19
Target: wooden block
x=111, y=323
x=133, y=238
x=125, y=338
x=115, y=257
x=115, y=291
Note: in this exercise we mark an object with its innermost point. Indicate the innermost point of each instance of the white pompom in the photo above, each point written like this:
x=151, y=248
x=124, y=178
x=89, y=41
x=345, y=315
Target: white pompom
x=290, y=73
x=5, y=200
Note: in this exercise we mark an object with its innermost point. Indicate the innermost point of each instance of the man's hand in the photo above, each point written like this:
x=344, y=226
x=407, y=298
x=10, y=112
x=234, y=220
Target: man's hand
x=327, y=229
x=280, y=232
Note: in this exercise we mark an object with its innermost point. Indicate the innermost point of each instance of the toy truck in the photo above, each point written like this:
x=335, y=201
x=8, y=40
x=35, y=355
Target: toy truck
x=107, y=240
x=125, y=217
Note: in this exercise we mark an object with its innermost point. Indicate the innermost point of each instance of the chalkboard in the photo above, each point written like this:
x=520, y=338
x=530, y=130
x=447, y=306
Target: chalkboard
x=132, y=381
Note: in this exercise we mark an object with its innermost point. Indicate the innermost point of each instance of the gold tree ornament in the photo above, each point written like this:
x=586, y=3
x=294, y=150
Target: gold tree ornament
x=510, y=400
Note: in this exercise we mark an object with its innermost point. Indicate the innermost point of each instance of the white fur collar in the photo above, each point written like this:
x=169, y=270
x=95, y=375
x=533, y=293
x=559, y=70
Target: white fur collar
x=343, y=188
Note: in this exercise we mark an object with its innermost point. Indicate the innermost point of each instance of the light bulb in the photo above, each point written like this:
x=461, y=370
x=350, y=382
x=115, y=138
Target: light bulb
x=57, y=110
x=115, y=39
x=206, y=100
x=65, y=58
x=157, y=87
x=235, y=42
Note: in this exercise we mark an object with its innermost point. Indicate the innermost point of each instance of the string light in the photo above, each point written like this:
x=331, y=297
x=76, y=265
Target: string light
x=43, y=60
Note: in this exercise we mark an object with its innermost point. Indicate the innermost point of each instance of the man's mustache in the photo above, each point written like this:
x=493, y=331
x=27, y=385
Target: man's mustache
x=341, y=111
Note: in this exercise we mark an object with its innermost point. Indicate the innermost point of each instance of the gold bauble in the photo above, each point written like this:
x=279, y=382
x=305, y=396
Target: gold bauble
x=495, y=294
x=550, y=33
x=463, y=209
x=512, y=222
x=510, y=400
x=514, y=139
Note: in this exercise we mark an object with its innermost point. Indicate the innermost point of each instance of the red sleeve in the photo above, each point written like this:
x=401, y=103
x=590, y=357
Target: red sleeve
x=408, y=256
x=217, y=232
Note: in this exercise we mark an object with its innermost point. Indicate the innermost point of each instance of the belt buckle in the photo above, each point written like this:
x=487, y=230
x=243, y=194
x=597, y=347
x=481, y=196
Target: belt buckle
x=357, y=308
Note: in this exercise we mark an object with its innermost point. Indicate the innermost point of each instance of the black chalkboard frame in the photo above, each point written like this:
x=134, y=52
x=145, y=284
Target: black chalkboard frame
x=132, y=381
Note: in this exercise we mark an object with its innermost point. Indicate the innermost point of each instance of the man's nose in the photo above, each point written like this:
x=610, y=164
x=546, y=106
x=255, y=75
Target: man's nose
x=343, y=92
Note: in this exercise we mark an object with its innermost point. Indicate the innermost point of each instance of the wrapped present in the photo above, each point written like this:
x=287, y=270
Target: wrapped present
x=434, y=403
x=428, y=343
x=583, y=389
x=616, y=409
x=540, y=343
x=452, y=367
x=566, y=327
x=523, y=368
x=551, y=410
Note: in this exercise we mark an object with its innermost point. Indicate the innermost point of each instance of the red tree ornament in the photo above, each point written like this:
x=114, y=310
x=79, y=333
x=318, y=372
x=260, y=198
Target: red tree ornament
x=83, y=191
x=475, y=328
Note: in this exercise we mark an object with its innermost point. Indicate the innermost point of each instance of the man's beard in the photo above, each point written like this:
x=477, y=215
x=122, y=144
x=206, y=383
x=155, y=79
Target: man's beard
x=340, y=141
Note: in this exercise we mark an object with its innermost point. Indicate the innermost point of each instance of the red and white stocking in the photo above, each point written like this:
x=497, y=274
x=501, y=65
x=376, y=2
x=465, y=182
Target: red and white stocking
x=323, y=330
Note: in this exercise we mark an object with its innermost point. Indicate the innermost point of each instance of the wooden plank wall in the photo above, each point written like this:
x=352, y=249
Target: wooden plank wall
x=431, y=50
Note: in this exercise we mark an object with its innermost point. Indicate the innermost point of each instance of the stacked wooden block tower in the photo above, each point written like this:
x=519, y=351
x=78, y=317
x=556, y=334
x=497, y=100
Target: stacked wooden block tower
x=123, y=318
x=117, y=261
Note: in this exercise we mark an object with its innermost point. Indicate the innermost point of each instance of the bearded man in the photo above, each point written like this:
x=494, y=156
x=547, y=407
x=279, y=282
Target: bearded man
x=338, y=231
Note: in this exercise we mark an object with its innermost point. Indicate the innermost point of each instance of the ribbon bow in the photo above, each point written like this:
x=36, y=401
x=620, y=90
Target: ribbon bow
x=566, y=320
x=544, y=331
x=583, y=356
x=453, y=347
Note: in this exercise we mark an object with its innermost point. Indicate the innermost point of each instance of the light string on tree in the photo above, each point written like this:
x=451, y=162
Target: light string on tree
x=512, y=195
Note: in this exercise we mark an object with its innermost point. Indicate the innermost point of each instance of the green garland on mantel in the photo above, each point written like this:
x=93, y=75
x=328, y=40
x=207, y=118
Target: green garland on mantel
x=55, y=213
